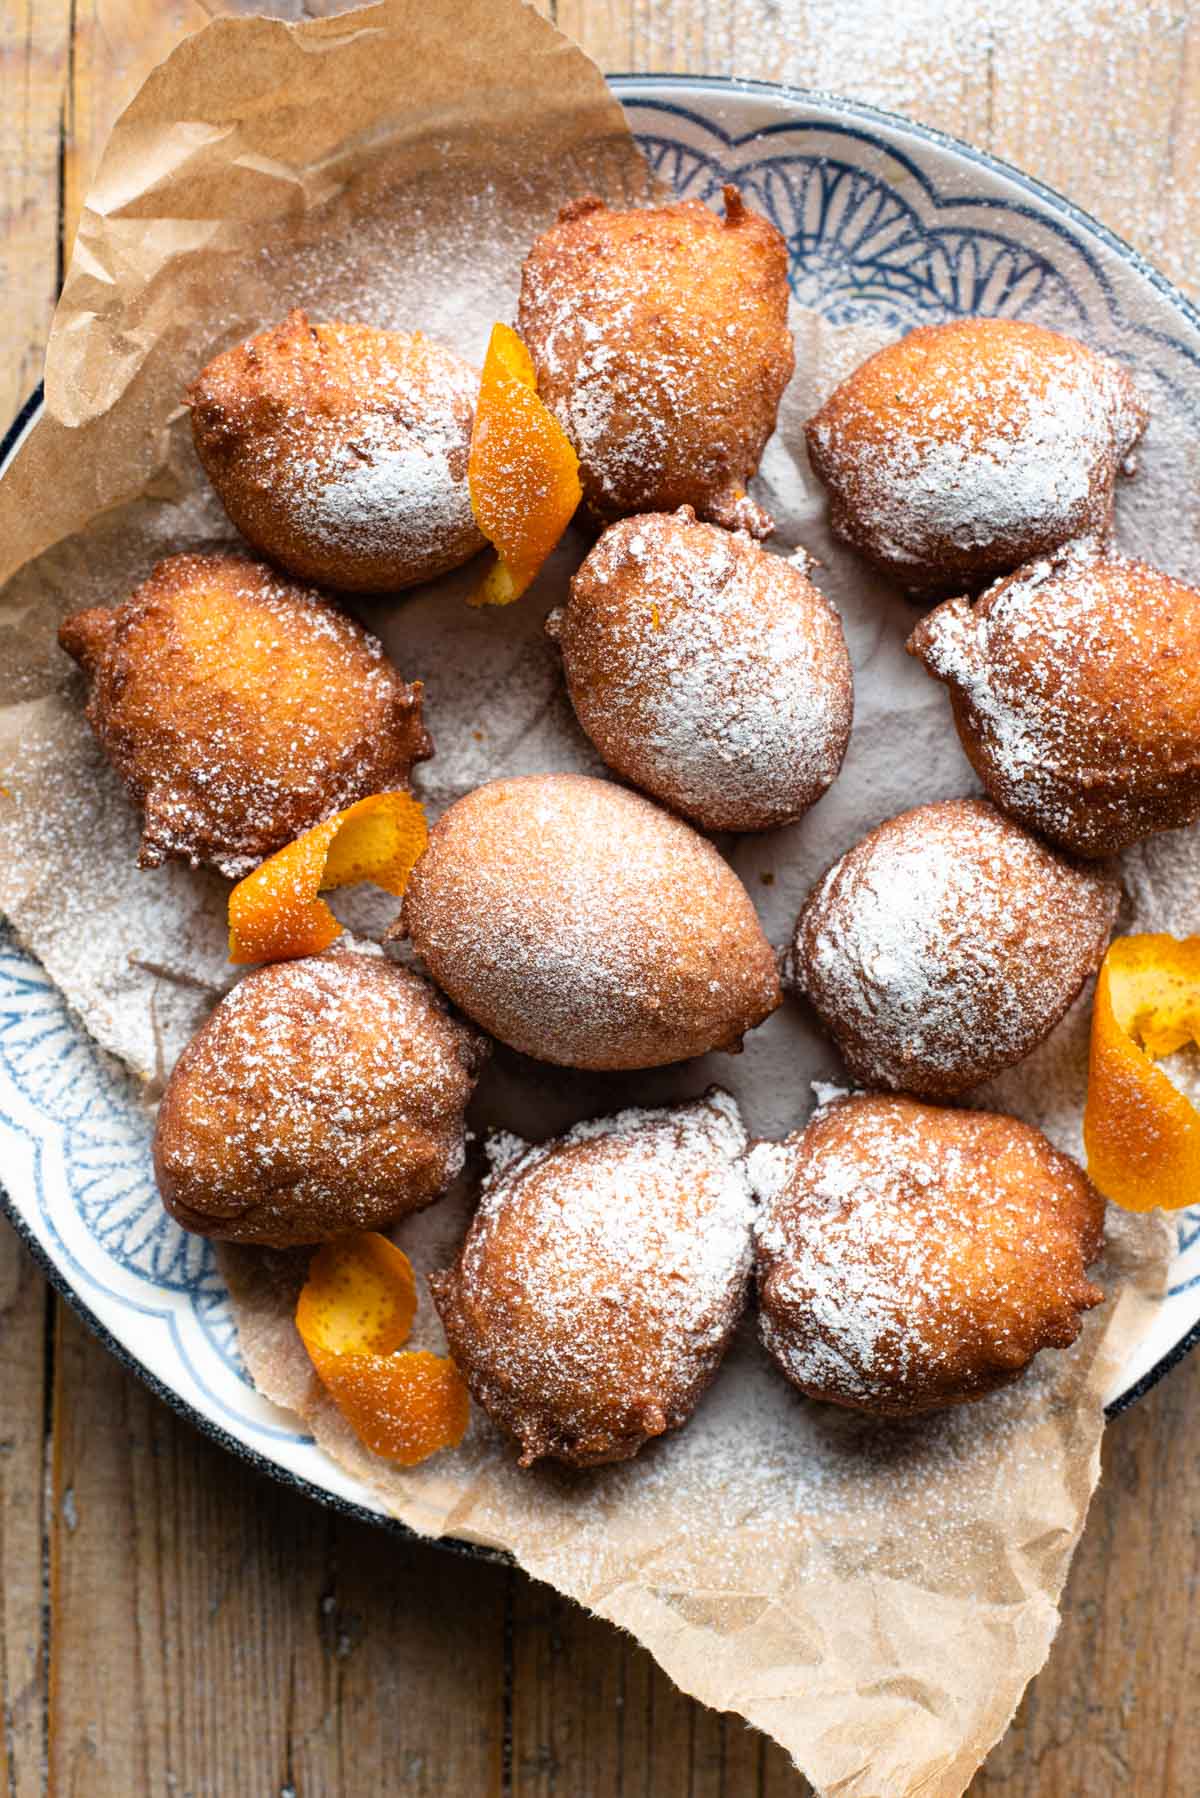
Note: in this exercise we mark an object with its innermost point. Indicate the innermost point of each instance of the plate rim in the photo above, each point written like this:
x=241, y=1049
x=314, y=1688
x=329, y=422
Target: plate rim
x=866, y=112
x=630, y=86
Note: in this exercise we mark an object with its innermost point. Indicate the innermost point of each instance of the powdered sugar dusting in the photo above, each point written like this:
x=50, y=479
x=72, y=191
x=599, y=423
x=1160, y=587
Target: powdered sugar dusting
x=763, y=1491
x=968, y=447
x=771, y=1534
x=901, y=1265
x=581, y=924
x=402, y=490
x=710, y=673
x=176, y=679
x=946, y=945
x=1075, y=677
x=322, y=1095
x=342, y=450
x=403, y=497
x=602, y=1277
x=660, y=342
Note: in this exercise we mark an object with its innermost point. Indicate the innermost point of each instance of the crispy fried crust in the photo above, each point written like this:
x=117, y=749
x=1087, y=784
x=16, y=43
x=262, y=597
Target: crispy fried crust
x=661, y=342
x=968, y=448
x=321, y=1096
x=602, y=1278
x=340, y=451
x=579, y=923
x=945, y=945
x=911, y=1257
x=707, y=671
x=1075, y=695
x=240, y=709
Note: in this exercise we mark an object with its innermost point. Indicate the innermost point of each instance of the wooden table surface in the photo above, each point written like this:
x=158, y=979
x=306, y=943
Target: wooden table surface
x=171, y=1623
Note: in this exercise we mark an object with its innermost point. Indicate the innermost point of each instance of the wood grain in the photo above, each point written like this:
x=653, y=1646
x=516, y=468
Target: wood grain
x=23, y=1335
x=212, y=1632
x=208, y=1633
x=33, y=57
x=1114, y=1711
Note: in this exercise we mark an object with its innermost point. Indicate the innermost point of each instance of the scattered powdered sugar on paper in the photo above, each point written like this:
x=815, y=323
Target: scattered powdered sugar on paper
x=747, y=1526
x=141, y=955
x=496, y=704
x=495, y=698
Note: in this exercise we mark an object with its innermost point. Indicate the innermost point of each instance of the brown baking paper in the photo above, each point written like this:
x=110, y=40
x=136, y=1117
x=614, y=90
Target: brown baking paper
x=875, y=1597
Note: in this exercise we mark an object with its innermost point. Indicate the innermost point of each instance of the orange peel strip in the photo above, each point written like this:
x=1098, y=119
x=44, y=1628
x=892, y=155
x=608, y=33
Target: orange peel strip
x=522, y=472
x=360, y=1298
x=354, y=1314
x=275, y=914
x=1141, y=1133
x=404, y=1407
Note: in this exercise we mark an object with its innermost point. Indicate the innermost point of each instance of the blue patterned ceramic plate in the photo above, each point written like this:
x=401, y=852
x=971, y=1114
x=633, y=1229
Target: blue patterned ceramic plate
x=885, y=222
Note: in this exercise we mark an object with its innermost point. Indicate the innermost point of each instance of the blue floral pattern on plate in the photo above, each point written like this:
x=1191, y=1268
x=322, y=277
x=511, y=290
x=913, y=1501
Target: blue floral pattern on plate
x=858, y=251
x=884, y=222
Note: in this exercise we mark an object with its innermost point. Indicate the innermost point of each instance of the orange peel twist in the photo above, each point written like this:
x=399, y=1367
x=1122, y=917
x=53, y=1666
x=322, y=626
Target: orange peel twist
x=522, y=472
x=275, y=914
x=354, y=1315
x=1141, y=1133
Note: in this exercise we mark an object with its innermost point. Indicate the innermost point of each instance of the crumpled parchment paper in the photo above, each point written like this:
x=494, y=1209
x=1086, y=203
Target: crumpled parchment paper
x=875, y=1597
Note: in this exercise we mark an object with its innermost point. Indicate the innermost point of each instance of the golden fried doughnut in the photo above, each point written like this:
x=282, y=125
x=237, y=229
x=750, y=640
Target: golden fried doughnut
x=661, y=342
x=1075, y=692
x=239, y=709
x=602, y=1279
x=340, y=451
x=946, y=945
x=707, y=671
x=579, y=923
x=911, y=1257
x=968, y=448
x=322, y=1095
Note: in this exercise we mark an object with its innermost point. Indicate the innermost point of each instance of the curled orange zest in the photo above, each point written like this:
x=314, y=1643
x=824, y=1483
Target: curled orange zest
x=404, y=1407
x=354, y=1315
x=275, y=914
x=522, y=473
x=1141, y=1133
x=360, y=1298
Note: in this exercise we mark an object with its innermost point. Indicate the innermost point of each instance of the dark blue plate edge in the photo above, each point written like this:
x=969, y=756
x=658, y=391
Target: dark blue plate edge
x=863, y=112
x=345, y=1507
x=632, y=85
x=206, y=1425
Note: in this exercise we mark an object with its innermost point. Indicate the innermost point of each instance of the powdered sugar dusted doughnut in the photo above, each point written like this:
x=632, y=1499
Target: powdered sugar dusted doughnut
x=341, y=451
x=240, y=709
x=661, y=342
x=321, y=1096
x=946, y=945
x=1075, y=686
x=970, y=447
x=602, y=1278
x=911, y=1257
x=578, y=922
x=707, y=671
